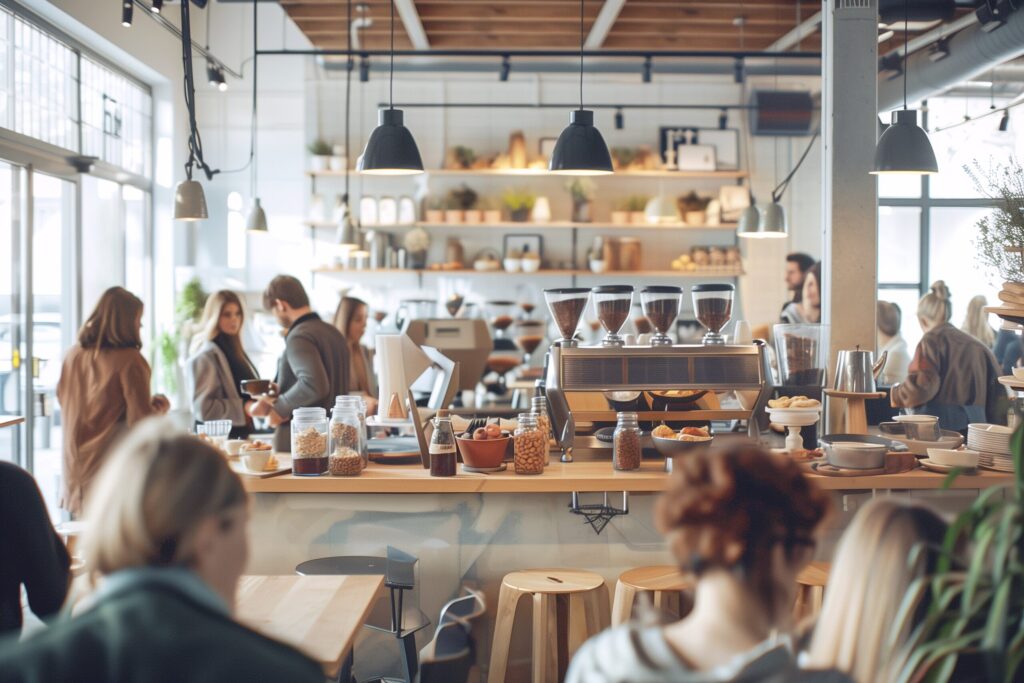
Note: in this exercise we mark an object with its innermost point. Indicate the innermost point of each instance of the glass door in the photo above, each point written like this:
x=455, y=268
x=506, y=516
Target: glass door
x=10, y=329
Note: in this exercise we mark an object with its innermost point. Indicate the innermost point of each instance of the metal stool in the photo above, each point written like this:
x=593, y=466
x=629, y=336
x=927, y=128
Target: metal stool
x=810, y=595
x=568, y=608
x=665, y=584
x=398, y=570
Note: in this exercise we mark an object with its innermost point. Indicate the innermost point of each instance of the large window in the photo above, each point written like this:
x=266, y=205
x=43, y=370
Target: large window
x=926, y=225
x=116, y=118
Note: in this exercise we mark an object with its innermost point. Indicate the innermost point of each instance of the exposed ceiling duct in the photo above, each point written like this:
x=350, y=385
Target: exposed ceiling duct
x=972, y=52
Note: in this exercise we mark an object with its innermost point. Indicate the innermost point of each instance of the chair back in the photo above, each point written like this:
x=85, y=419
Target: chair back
x=453, y=655
x=400, y=571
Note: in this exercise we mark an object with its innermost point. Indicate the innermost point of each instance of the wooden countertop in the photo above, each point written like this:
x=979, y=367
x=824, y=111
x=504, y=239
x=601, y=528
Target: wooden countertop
x=577, y=476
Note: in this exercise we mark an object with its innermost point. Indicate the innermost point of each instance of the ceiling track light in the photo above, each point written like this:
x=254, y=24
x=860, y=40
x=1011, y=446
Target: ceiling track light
x=157, y=6
x=364, y=70
x=723, y=119
x=391, y=148
x=215, y=75
x=738, y=71
x=506, y=67
x=580, y=149
x=647, y=69
x=127, y=9
x=904, y=147
x=620, y=119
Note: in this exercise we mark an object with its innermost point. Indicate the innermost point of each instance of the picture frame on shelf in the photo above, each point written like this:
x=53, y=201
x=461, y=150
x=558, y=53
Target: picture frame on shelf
x=522, y=242
x=726, y=142
x=696, y=158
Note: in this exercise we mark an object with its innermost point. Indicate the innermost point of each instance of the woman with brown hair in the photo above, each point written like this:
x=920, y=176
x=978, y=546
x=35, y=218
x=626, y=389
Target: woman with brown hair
x=350, y=319
x=743, y=522
x=103, y=389
x=219, y=365
x=168, y=538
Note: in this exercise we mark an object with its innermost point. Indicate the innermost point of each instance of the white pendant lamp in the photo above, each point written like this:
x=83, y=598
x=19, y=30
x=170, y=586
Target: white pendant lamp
x=257, y=221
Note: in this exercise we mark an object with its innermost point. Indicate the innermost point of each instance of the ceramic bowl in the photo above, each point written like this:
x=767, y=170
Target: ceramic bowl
x=486, y=454
x=234, y=446
x=855, y=455
x=512, y=265
x=952, y=458
x=256, y=461
x=672, y=447
x=531, y=265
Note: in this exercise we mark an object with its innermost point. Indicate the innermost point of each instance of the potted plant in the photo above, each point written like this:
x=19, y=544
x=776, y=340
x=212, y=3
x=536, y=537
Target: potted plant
x=620, y=214
x=435, y=211
x=491, y=214
x=459, y=200
x=975, y=598
x=622, y=157
x=1000, y=237
x=635, y=205
x=519, y=203
x=582, y=191
x=462, y=157
x=321, y=155
x=416, y=243
x=693, y=208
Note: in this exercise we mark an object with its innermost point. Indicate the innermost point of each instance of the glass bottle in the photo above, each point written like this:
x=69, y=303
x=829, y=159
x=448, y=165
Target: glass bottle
x=358, y=406
x=530, y=446
x=442, y=446
x=539, y=407
x=345, y=428
x=626, y=443
x=309, y=441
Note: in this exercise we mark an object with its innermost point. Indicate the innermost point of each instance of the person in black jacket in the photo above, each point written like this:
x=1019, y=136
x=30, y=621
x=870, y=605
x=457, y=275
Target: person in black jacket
x=165, y=546
x=31, y=552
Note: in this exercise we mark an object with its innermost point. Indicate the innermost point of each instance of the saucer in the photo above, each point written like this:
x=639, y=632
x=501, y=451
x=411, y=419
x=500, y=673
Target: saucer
x=928, y=464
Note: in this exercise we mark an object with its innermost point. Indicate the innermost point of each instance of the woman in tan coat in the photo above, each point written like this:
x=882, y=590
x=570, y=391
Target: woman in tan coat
x=350, y=318
x=103, y=390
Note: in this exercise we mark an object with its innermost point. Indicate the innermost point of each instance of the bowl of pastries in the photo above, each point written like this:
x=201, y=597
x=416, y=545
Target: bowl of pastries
x=794, y=411
x=258, y=456
x=670, y=442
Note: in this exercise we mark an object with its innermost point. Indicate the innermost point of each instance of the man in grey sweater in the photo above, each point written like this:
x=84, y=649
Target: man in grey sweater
x=314, y=366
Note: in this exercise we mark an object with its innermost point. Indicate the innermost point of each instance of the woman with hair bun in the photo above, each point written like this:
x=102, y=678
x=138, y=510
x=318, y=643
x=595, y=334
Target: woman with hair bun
x=952, y=376
x=743, y=522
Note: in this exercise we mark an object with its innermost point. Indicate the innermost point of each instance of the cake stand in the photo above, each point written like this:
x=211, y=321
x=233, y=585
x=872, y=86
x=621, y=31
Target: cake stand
x=793, y=419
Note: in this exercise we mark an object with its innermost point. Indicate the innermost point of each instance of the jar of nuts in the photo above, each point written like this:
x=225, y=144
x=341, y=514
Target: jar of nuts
x=309, y=441
x=539, y=407
x=346, y=426
x=356, y=403
x=530, y=446
x=345, y=462
x=626, y=443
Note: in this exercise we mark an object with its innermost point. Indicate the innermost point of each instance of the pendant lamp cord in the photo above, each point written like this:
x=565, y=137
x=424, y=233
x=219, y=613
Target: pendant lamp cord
x=348, y=89
x=252, y=135
x=581, y=54
x=906, y=48
x=391, y=76
x=195, y=142
x=781, y=189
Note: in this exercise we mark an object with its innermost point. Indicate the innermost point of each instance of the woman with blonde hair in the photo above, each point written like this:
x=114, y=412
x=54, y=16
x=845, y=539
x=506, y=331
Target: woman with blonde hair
x=219, y=365
x=976, y=321
x=952, y=376
x=742, y=522
x=103, y=390
x=166, y=544
x=889, y=545
x=350, y=318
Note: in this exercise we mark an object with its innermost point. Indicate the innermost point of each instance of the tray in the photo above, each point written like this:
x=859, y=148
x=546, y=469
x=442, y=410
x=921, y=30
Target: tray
x=394, y=449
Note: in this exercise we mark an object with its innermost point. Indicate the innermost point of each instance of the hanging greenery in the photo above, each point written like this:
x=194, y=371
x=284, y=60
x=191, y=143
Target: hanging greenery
x=1000, y=237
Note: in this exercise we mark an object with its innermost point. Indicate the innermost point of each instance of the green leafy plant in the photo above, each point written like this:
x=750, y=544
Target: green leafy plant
x=462, y=197
x=623, y=156
x=319, y=148
x=693, y=202
x=637, y=202
x=1000, y=237
x=518, y=200
x=167, y=348
x=190, y=302
x=975, y=618
x=464, y=156
x=581, y=190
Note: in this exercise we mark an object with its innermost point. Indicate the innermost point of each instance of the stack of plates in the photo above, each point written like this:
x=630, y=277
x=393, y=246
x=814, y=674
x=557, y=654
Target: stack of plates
x=993, y=445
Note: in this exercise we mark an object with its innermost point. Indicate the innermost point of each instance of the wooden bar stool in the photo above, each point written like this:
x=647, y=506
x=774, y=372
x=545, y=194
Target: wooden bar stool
x=568, y=608
x=810, y=594
x=669, y=588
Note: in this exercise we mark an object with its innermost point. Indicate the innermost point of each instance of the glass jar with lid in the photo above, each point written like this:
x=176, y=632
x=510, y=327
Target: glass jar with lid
x=356, y=405
x=530, y=446
x=626, y=443
x=309, y=441
x=539, y=407
x=442, y=446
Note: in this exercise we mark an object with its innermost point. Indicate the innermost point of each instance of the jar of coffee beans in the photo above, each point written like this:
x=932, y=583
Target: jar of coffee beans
x=626, y=443
x=530, y=446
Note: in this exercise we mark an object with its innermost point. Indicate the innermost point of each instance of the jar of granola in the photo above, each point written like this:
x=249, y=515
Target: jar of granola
x=530, y=446
x=309, y=441
x=626, y=443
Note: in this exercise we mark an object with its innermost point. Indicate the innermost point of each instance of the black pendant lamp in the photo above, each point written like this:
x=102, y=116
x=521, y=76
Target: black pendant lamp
x=391, y=149
x=581, y=150
x=903, y=147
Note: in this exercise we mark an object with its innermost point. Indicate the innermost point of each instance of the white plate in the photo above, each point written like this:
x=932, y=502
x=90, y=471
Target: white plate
x=928, y=464
x=953, y=458
x=990, y=428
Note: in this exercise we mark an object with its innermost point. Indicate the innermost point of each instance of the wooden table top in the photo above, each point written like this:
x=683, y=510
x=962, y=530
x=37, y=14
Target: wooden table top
x=319, y=615
x=580, y=476
x=10, y=420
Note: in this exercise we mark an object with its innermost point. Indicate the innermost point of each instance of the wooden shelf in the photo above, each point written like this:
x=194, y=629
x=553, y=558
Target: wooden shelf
x=550, y=225
x=534, y=173
x=707, y=273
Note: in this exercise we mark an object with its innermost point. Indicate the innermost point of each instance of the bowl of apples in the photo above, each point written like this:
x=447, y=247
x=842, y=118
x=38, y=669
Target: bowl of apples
x=485, y=447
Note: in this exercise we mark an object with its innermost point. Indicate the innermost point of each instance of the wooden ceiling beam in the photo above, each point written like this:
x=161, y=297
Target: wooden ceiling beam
x=603, y=24
x=411, y=22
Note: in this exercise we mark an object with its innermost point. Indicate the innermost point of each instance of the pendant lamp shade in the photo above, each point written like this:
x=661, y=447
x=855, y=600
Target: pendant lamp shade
x=773, y=221
x=391, y=149
x=750, y=220
x=257, y=218
x=190, y=201
x=348, y=232
x=904, y=147
x=581, y=150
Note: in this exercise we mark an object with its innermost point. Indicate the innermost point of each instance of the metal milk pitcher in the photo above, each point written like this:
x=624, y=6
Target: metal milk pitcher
x=856, y=371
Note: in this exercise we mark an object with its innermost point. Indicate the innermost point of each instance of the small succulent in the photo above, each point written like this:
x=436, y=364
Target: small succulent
x=320, y=148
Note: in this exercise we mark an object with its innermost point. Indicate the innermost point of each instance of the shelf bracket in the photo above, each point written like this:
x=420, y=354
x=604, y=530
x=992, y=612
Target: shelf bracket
x=598, y=515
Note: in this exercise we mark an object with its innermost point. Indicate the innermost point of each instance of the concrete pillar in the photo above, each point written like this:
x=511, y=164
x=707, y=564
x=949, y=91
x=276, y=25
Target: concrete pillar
x=849, y=202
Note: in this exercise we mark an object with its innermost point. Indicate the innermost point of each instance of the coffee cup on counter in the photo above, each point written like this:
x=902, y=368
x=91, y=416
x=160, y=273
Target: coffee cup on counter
x=256, y=387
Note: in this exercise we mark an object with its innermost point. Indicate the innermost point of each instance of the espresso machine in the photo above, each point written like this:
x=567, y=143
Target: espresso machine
x=712, y=366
